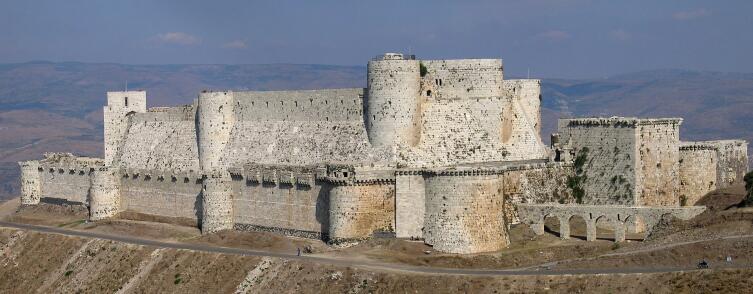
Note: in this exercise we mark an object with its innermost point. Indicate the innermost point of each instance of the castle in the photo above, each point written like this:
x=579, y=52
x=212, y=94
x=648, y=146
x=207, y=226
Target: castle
x=444, y=151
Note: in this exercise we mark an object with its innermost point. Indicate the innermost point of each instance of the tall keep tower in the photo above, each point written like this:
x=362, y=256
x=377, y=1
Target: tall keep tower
x=215, y=122
x=392, y=113
x=119, y=106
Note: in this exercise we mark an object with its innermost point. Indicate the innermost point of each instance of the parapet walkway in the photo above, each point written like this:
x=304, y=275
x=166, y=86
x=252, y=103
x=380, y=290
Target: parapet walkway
x=617, y=216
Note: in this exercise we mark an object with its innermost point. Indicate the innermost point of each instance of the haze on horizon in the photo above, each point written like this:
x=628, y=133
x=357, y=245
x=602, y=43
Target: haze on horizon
x=567, y=38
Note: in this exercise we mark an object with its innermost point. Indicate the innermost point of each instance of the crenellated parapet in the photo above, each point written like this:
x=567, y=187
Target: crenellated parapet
x=279, y=174
x=629, y=122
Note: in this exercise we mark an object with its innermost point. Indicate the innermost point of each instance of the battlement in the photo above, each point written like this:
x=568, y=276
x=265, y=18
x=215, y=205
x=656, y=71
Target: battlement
x=692, y=146
x=619, y=121
x=394, y=56
x=134, y=100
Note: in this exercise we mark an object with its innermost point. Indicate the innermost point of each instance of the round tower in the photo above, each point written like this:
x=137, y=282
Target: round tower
x=217, y=205
x=104, y=201
x=464, y=212
x=31, y=185
x=392, y=101
x=215, y=119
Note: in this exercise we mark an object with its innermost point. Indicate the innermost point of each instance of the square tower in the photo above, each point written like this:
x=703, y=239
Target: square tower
x=119, y=106
x=624, y=161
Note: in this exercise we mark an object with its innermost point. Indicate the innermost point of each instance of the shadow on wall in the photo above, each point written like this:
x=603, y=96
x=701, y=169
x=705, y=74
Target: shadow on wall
x=322, y=209
x=198, y=208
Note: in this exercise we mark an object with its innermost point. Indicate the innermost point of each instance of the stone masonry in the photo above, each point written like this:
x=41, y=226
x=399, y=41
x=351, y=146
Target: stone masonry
x=445, y=151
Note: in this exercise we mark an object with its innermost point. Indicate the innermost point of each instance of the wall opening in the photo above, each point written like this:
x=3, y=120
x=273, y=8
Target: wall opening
x=126, y=101
x=578, y=227
x=428, y=93
x=552, y=225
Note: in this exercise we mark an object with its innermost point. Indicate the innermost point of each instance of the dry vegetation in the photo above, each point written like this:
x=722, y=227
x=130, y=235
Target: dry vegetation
x=54, y=263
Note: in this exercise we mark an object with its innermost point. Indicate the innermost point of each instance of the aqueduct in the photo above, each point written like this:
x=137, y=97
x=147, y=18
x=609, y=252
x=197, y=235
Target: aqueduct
x=618, y=216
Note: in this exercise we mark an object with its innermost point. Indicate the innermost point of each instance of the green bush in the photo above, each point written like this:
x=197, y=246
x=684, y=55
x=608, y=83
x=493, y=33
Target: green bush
x=423, y=69
x=749, y=188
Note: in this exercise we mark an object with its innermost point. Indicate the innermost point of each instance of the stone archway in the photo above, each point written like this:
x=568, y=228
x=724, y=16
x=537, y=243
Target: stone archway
x=578, y=226
x=553, y=225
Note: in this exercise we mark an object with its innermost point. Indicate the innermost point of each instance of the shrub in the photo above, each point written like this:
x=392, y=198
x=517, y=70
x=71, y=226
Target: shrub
x=749, y=188
x=423, y=69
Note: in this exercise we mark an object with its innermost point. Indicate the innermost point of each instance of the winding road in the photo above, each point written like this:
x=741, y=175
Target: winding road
x=371, y=265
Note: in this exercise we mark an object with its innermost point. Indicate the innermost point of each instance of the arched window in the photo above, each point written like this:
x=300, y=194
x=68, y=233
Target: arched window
x=428, y=93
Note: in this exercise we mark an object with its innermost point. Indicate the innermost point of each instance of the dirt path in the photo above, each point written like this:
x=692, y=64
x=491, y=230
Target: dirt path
x=346, y=262
x=636, y=251
x=9, y=207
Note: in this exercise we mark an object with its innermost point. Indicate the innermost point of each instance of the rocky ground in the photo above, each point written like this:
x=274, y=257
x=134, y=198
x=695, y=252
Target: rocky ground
x=44, y=262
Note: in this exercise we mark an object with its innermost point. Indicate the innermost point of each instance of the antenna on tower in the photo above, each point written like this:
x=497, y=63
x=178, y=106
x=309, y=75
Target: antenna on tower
x=126, y=86
x=529, y=73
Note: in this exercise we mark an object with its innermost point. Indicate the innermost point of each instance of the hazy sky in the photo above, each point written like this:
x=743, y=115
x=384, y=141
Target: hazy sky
x=552, y=38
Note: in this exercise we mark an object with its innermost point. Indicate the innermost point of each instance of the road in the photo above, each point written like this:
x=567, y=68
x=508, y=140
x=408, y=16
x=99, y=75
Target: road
x=345, y=262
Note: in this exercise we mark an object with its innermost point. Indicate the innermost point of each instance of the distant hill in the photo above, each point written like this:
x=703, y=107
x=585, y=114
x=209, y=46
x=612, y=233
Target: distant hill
x=58, y=106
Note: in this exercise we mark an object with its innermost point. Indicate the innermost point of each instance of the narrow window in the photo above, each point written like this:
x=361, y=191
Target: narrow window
x=126, y=101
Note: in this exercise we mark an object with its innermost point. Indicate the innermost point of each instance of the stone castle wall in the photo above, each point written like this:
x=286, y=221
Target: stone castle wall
x=698, y=165
x=535, y=183
x=605, y=159
x=65, y=183
x=358, y=210
x=733, y=161
x=465, y=78
x=625, y=161
x=290, y=208
x=171, y=196
x=299, y=128
x=410, y=208
x=161, y=139
x=528, y=93
x=657, y=180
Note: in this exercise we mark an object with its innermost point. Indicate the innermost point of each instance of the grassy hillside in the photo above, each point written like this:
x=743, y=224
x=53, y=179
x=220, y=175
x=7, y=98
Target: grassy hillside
x=58, y=106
